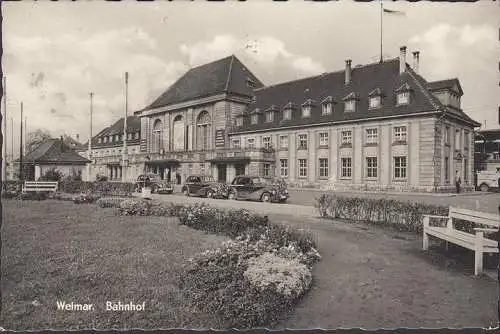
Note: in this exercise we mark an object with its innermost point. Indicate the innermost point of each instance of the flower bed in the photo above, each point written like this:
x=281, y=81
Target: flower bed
x=401, y=215
x=101, y=187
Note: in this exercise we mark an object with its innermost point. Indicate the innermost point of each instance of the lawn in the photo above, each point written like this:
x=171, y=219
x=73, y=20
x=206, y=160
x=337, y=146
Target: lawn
x=59, y=251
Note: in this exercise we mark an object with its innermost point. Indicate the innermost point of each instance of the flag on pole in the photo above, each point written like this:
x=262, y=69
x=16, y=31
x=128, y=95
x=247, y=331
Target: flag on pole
x=393, y=11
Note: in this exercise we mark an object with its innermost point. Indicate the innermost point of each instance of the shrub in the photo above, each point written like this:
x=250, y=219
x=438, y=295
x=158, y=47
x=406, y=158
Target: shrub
x=86, y=198
x=109, y=202
x=401, y=215
x=103, y=188
x=135, y=207
x=33, y=195
x=52, y=175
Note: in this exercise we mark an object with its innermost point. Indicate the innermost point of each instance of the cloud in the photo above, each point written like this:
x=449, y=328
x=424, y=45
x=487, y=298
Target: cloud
x=266, y=51
x=57, y=98
x=469, y=53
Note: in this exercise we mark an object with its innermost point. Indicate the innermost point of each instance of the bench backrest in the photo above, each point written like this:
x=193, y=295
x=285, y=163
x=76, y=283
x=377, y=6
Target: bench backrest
x=41, y=185
x=478, y=217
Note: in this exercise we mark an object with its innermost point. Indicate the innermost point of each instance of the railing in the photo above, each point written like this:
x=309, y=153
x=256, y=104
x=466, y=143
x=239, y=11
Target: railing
x=202, y=155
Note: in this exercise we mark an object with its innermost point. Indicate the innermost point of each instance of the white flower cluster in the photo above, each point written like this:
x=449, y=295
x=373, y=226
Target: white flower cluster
x=287, y=277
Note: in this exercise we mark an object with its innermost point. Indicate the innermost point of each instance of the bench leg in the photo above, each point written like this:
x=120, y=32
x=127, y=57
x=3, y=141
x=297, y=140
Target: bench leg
x=478, y=253
x=425, y=237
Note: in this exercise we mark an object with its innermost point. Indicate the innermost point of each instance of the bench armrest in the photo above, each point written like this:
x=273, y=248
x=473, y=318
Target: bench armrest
x=434, y=216
x=489, y=230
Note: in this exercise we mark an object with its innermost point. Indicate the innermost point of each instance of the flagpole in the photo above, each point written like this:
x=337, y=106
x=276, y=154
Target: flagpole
x=89, y=155
x=381, y=15
x=25, y=133
x=125, y=153
x=21, y=151
x=4, y=125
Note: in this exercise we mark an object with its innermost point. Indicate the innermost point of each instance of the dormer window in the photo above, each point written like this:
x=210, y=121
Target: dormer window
x=99, y=140
x=306, y=108
x=239, y=121
x=254, y=119
x=326, y=106
x=375, y=98
x=269, y=116
x=287, y=111
x=403, y=95
x=350, y=102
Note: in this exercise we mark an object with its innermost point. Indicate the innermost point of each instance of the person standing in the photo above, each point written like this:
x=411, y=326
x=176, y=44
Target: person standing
x=458, y=181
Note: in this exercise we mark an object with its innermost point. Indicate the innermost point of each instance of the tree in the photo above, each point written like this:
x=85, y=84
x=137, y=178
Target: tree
x=35, y=138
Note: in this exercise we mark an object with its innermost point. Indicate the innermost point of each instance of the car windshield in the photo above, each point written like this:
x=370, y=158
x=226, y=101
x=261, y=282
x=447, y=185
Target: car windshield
x=258, y=180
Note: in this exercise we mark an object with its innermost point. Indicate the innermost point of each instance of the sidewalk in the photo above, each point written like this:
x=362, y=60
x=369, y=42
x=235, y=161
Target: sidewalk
x=380, y=192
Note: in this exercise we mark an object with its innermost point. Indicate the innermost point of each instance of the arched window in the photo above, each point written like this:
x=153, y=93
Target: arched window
x=157, y=136
x=178, y=133
x=203, y=131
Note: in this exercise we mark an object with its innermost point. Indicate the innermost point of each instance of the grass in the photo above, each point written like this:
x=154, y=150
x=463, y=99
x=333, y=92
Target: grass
x=58, y=251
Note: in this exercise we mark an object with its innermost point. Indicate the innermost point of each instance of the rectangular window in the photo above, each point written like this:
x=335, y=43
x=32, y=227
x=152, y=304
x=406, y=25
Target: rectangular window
x=283, y=141
x=287, y=114
x=466, y=139
x=447, y=170
x=323, y=139
x=267, y=170
x=236, y=143
x=323, y=167
x=371, y=167
x=400, y=133
x=327, y=109
x=266, y=142
x=105, y=139
x=466, y=170
x=251, y=143
x=374, y=102
x=239, y=121
x=346, y=137
x=269, y=116
x=284, y=167
x=371, y=136
x=346, y=170
x=254, y=118
x=403, y=98
x=458, y=143
x=137, y=135
x=447, y=135
x=302, y=167
x=202, y=169
x=306, y=111
x=302, y=142
x=350, y=105
x=400, y=167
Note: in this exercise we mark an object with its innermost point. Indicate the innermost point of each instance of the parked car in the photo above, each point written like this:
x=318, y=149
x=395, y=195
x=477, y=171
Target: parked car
x=488, y=180
x=204, y=186
x=154, y=181
x=101, y=178
x=258, y=189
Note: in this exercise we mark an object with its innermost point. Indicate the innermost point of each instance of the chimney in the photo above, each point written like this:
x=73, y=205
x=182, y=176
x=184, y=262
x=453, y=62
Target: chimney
x=61, y=144
x=416, y=60
x=348, y=71
x=77, y=137
x=402, y=59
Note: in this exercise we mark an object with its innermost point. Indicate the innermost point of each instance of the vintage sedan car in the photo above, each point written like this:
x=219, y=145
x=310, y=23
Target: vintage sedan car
x=204, y=186
x=258, y=189
x=154, y=181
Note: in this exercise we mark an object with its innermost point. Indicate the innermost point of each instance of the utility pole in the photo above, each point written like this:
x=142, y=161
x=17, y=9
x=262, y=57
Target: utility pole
x=125, y=153
x=25, y=133
x=21, y=151
x=89, y=155
x=4, y=130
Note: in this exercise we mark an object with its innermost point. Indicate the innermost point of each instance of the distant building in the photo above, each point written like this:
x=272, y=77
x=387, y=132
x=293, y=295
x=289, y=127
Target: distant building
x=376, y=126
x=487, y=150
x=107, y=152
x=51, y=154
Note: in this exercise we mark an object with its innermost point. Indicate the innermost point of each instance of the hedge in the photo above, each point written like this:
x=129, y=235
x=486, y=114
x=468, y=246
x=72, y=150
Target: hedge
x=401, y=215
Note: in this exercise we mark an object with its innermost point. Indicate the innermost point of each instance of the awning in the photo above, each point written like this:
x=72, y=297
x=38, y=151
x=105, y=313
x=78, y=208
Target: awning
x=229, y=160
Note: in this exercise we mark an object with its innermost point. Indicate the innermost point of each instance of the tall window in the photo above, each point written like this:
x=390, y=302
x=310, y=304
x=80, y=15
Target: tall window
x=447, y=135
x=179, y=134
x=106, y=139
x=371, y=136
x=266, y=142
x=458, y=142
x=403, y=98
x=346, y=170
x=203, y=130
x=326, y=109
x=447, y=169
x=302, y=167
x=284, y=167
x=400, y=167
x=350, y=105
x=250, y=143
x=157, y=136
x=323, y=167
x=239, y=121
x=400, y=133
x=236, y=143
x=466, y=170
x=287, y=114
x=323, y=139
x=254, y=119
x=303, y=142
x=371, y=167
x=466, y=139
x=346, y=137
x=283, y=141
x=267, y=170
x=269, y=116
x=306, y=111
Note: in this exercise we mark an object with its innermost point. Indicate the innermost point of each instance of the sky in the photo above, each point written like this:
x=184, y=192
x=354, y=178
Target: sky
x=55, y=54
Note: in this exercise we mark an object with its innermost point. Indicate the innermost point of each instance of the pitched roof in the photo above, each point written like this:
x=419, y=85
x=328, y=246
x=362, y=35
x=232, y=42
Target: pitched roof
x=227, y=75
x=445, y=84
x=133, y=126
x=384, y=76
x=56, y=152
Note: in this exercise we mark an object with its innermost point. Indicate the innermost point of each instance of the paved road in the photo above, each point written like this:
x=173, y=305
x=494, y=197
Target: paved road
x=487, y=202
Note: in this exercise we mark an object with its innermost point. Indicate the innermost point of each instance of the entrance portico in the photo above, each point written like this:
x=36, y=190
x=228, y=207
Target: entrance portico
x=226, y=168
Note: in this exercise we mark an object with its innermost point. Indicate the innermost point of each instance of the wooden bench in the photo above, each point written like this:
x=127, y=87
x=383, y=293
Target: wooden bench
x=476, y=242
x=40, y=186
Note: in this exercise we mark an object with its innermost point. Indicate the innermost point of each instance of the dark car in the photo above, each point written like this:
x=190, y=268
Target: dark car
x=154, y=181
x=204, y=186
x=258, y=189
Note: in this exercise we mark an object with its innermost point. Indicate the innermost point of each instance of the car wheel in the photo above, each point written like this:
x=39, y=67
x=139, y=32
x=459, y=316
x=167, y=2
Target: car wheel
x=484, y=187
x=266, y=197
x=210, y=194
x=231, y=195
x=186, y=192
